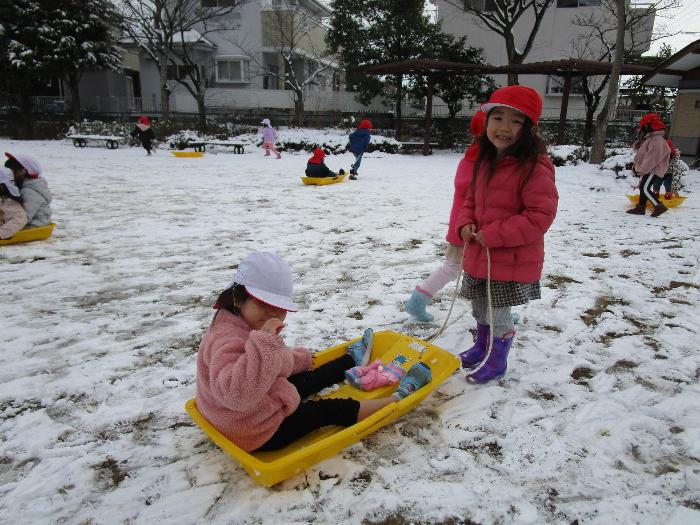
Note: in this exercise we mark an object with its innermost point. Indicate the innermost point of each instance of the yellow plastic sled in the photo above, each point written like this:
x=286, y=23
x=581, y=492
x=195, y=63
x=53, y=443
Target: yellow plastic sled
x=322, y=181
x=670, y=203
x=30, y=234
x=269, y=468
x=188, y=153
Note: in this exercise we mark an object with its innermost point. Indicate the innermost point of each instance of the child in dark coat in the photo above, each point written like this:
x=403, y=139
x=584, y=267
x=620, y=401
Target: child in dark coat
x=359, y=143
x=145, y=133
x=315, y=167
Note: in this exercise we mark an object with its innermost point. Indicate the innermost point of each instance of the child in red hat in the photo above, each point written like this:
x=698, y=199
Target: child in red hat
x=359, y=143
x=315, y=167
x=452, y=265
x=510, y=204
x=144, y=132
x=651, y=161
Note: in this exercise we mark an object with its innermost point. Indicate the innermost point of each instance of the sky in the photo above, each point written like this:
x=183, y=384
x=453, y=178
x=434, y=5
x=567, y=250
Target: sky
x=685, y=20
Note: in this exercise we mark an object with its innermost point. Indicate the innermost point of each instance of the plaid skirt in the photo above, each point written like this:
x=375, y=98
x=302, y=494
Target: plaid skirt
x=503, y=293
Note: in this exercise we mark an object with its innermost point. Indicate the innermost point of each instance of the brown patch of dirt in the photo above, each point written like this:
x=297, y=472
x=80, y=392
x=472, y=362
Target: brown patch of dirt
x=602, y=304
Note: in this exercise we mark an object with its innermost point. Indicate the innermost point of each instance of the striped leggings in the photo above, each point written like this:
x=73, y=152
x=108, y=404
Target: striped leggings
x=645, y=191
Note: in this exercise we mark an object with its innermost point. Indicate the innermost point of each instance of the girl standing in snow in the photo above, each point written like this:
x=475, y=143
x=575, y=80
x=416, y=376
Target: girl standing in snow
x=250, y=385
x=651, y=160
x=144, y=132
x=359, y=143
x=35, y=192
x=12, y=215
x=452, y=266
x=269, y=137
x=511, y=202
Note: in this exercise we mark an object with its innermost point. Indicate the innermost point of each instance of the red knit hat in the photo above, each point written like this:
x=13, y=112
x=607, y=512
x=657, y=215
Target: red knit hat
x=653, y=120
x=318, y=157
x=478, y=123
x=365, y=124
x=143, y=119
x=520, y=98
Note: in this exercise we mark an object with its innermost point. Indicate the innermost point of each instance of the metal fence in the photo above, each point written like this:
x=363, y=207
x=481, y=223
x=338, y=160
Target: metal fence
x=96, y=104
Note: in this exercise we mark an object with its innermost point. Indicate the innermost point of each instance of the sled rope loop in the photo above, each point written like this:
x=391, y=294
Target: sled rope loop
x=437, y=334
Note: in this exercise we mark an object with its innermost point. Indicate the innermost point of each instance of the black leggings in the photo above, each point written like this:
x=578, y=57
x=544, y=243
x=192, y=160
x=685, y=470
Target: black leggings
x=645, y=192
x=312, y=415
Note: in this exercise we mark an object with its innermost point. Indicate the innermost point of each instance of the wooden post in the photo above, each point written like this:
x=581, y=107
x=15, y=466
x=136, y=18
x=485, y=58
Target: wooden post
x=428, y=116
x=564, y=107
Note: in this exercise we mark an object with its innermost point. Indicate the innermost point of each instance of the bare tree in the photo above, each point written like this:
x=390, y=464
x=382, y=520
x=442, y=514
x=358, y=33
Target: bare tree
x=300, y=54
x=501, y=17
x=597, y=41
x=159, y=27
x=598, y=148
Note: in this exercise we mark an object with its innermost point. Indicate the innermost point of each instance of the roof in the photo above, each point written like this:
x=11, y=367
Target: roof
x=574, y=67
x=676, y=68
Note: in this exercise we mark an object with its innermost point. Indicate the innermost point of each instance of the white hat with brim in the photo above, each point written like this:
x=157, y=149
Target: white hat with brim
x=8, y=180
x=267, y=278
x=265, y=121
x=28, y=162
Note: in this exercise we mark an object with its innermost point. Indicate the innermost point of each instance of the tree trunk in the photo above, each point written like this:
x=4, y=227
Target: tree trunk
x=512, y=59
x=399, y=97
x=598, y=148
x=74, y=84
x=201, y=110
x=164, y=93
x=588, y=127
x=299, y=108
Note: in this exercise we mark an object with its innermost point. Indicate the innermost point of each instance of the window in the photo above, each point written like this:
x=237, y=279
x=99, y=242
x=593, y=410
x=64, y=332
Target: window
x=555, y=85
x=479, y=5
x=218, y=3
x=232, y=69
x=180, y=72
x=578, y=3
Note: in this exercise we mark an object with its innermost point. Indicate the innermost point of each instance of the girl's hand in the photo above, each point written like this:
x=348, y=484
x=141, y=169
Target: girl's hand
x=467, y=232
x=479, y=237
x=273, y=326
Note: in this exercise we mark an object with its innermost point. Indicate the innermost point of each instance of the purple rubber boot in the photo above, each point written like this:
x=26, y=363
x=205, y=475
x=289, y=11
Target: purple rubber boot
x=472, y=357
x=497, y=362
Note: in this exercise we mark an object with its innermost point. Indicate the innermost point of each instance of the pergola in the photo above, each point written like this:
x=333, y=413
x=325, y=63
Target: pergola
x=567, y=69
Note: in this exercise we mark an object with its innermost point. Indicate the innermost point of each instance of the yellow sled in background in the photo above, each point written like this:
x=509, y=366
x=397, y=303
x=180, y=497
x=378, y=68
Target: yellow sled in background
x=39, y=233
x=269, y=468
x=669, y=203
x=322, y=181
x=188, y=154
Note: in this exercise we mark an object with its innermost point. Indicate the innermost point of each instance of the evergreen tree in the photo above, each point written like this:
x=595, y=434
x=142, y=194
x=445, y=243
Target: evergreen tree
x=369, y=32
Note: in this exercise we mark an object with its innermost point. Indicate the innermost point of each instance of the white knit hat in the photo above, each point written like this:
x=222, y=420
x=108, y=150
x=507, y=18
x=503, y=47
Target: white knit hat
x=8, y=180
x=267, y=277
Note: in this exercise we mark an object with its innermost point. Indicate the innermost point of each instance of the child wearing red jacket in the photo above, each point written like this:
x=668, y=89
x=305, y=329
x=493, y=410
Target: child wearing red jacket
x=251, y=386
x=452, y=266
x=510, y=204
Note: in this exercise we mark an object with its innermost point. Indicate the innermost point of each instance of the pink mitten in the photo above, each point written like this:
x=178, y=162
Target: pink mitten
x=375, y=375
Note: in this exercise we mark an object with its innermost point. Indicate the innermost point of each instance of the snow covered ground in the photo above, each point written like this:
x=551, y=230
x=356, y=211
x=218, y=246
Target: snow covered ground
x=597, y=420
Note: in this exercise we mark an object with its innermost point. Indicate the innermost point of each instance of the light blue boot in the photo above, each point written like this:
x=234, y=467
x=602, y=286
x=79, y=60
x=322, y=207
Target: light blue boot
x=416, y=306
x=418, y=376
x=361, y=351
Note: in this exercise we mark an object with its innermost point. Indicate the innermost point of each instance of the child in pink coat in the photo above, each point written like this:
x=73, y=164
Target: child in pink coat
x=252, y=387
x=651, y=162
x=269, y=137
x=510, y=204
x=452, y=266
x=12, y=215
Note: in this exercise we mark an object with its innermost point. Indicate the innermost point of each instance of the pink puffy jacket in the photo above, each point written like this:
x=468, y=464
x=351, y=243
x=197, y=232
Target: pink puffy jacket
x=652, y=154
x=513, y=219
x=462, y=180
x=242, y=386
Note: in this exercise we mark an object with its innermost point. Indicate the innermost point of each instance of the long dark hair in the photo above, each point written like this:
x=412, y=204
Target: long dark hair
x=5, y=194
x=232, y=299
x=529, y=146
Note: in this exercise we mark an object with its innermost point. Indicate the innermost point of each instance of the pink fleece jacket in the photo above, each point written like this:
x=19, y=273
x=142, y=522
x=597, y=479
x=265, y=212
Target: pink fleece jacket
x=463, y=178
x=514, y=220
x=242, y=386
x=653, y=154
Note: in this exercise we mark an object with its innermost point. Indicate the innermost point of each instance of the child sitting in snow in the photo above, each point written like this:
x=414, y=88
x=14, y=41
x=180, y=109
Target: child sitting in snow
x=12, y=215
x=315, y=167
x=35, y=193
x=250, y=385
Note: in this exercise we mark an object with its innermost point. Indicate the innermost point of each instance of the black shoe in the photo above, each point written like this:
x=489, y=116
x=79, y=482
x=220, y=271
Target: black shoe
x=637, y=210
x=659, y=209
x=353, y=177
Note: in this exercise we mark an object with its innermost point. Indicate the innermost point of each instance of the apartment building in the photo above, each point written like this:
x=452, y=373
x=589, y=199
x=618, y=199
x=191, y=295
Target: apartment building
x=557, y=38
